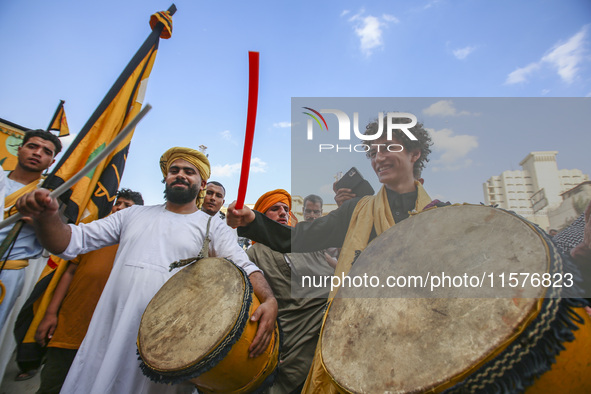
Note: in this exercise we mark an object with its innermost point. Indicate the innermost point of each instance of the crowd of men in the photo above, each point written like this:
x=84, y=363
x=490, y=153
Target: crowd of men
x=118, y=263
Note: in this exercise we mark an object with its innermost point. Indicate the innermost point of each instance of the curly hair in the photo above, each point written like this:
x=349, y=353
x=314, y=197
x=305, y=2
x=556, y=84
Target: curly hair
x=423, y=142
x=128, y=194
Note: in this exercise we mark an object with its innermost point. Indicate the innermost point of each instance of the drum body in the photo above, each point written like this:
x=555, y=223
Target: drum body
x=197, y=327
x=434, y=344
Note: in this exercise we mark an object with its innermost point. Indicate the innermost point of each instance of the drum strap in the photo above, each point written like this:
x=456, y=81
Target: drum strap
x=204, y=253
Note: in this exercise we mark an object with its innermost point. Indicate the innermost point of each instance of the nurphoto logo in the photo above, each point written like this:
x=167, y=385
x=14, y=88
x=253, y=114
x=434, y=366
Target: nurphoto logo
x=393, y=120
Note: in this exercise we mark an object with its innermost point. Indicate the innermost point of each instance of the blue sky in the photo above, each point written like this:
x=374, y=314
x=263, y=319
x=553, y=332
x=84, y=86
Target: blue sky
x=199, y=85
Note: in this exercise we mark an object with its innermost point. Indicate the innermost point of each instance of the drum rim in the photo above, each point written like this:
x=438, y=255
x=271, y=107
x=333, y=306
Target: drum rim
x=554, y=303
x=218, y=352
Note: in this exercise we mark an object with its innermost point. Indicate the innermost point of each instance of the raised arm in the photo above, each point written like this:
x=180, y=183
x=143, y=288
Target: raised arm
x=325, y=232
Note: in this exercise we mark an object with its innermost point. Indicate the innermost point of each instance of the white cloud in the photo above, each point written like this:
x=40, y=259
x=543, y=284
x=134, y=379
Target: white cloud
x=567, y=57
x=521, y=74
x=228, y=170
x=462, y=53
x=282, y=125
x=453, y=149
x=227, y=136
x=345, y=12
x=443, y=108
x=545, y=92
x=564, y=57
x=369, y=30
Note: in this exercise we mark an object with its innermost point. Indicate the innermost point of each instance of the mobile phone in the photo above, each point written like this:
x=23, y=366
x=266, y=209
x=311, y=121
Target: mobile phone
x=354, y=180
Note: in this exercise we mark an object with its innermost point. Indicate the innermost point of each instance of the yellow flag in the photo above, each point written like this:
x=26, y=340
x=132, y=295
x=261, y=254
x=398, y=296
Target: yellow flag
x=92, y=197
x=59, y=121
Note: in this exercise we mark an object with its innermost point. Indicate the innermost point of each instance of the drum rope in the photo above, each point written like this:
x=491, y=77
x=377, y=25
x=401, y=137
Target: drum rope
x=534, y=352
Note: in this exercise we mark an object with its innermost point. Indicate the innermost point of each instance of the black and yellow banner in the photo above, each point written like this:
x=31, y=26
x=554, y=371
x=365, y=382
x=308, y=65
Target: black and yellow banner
x=93, y=196
x=59, y=122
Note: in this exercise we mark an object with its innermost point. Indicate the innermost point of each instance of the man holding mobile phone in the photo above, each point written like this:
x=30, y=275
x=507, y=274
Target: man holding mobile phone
x=357, y=221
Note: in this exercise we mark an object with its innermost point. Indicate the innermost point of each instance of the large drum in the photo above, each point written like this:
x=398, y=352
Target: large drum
x=433, y=344
x=197, y=328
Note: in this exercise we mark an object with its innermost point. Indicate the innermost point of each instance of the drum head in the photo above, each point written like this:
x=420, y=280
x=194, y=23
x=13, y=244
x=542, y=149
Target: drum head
x=191, y=314
x=377, y=345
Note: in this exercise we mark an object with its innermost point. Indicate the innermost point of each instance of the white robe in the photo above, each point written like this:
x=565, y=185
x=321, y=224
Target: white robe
x=150, y=238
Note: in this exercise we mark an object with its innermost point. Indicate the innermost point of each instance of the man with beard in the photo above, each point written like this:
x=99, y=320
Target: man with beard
x=312, y=208
x=150, y=238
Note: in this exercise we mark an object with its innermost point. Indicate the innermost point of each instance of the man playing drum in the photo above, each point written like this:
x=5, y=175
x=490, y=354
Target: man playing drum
x=150, y=238
x=359, y=220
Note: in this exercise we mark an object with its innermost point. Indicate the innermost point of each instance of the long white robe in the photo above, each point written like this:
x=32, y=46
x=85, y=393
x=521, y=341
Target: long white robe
x=150, y=238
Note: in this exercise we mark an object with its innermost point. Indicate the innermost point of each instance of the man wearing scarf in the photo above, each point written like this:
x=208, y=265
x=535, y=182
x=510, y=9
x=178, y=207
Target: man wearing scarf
x=300, y=319
x=354, y=224
x=36, y=154
x=150, y=238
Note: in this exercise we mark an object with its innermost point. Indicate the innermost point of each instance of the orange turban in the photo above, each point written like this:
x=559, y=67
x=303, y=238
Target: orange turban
x=271, y=198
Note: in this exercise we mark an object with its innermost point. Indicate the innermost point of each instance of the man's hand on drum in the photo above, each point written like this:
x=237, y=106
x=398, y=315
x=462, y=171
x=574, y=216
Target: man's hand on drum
x=36, y=204
x=239, y=217
x=265, y=314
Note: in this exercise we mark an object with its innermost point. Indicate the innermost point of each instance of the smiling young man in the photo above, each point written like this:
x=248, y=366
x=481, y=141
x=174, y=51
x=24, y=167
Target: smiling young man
x=357, y=221
x=34, y=156
x=150, y=238
x=400, y=194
